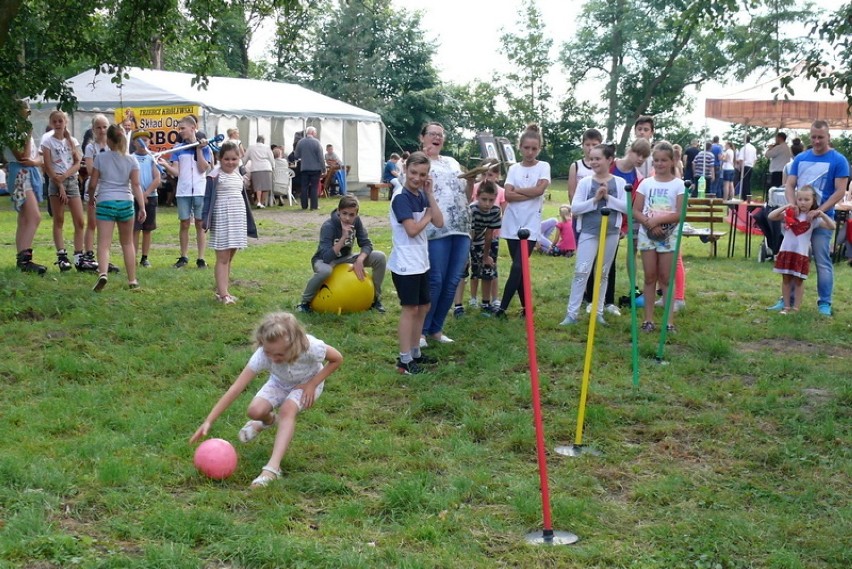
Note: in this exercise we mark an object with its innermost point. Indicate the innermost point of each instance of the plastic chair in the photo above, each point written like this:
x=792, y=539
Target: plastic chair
x=282, y=177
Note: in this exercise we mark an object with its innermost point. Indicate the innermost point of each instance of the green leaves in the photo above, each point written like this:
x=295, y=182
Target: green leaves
x=649, y=51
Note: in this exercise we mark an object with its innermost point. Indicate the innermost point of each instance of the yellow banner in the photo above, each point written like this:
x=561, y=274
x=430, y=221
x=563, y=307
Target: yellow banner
x=161, y=122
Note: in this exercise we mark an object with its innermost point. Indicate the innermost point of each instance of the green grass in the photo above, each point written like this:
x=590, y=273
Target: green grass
x=734, y=455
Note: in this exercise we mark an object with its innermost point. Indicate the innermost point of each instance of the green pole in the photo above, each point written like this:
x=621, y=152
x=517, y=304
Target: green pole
x=670, y=288
x=631, y=272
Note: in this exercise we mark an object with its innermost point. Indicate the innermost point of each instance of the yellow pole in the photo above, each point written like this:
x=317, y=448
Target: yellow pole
x=590, y=341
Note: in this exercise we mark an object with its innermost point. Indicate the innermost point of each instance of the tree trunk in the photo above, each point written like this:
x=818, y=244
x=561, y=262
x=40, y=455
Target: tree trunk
x=8, y=13
x=156, y=52
x=617, y=57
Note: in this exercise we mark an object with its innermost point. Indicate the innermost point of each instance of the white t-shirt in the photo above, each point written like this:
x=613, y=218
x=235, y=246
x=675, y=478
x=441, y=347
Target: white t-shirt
x=9, y=156
x=728, y=160
x=191, y=182
x=526, y=213
x=61, y=153
x=306, y=366
x=748, y=154
x=2, y=178
x=660, y=197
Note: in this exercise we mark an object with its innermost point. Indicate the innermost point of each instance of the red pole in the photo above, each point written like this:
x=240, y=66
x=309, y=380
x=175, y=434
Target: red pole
x=524, y=234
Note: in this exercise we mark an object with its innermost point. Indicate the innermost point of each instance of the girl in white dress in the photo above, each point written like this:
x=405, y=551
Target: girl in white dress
x=226, y=218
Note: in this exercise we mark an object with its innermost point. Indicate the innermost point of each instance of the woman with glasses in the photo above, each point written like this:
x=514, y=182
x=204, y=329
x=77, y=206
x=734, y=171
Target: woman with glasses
x=449, y=246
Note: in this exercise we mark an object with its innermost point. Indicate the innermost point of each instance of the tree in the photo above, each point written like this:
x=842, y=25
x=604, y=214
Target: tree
x=833, y=71
x=44, y=42
x=650, y=51
x=365, y=55
x=294, y=43
x=564, y=134
x=525, y=88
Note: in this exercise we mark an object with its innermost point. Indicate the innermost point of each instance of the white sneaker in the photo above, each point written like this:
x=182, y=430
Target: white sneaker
x=444, y=339
x=679, y=305
x=495, y=304
x=589, y=308
x=612, y=309
x=473, y=302
x=423, y=342
x=660, y=302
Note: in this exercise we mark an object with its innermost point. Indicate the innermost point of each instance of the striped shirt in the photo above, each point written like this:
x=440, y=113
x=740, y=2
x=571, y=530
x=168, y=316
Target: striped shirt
x=703, y=164
x=482, y=221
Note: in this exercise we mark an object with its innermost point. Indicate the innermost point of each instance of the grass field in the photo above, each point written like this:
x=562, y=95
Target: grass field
x=735, y=455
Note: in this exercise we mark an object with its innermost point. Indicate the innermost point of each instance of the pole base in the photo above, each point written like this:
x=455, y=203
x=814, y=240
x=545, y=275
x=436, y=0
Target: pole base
x=551, y=538
x=577, y=450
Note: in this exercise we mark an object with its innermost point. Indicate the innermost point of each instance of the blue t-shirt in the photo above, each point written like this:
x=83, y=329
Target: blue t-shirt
x=410, y=255
x=388, y=173
x=820, y=171
x=631, y=177
x=146, y=174
x=717, y=151
x=407, y=204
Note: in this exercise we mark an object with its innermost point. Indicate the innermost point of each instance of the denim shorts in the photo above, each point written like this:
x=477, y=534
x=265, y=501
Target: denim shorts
x=72, y=188
x=646, y=243
x=190, y=206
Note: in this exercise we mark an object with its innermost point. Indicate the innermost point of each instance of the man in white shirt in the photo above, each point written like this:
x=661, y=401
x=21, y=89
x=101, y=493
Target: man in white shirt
x=746, y=157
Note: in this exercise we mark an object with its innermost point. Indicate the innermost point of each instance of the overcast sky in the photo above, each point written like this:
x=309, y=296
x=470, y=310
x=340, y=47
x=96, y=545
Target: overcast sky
x=456, y=26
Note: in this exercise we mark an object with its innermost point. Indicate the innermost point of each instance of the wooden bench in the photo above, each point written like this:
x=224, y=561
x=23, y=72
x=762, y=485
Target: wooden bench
x=710, y=211
x=376, y=188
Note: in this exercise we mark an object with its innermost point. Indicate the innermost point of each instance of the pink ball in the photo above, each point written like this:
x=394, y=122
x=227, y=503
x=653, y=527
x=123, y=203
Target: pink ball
x=216, y=459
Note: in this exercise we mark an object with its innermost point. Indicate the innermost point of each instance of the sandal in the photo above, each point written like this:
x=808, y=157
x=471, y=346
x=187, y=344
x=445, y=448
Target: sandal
x=262, y=480
x=671, y=328
x=226, y=299
x=648, y=326
x=252, y=428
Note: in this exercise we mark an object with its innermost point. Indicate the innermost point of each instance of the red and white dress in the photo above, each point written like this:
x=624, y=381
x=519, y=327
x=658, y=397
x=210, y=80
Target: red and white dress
x=792, y=258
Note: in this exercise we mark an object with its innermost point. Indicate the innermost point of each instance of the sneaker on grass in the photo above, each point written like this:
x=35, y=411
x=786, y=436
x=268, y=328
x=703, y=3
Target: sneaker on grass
x=410, y=368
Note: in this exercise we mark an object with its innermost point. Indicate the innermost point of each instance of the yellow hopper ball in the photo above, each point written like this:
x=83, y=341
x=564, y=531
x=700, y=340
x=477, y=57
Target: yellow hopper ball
x=342, y=292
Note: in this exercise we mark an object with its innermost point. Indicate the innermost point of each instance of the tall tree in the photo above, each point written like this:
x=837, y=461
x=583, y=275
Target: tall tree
x=650, y=51
x=528, y=50
x=44, y=42
x=364, y=54
x=293, y=46
x=833, y=67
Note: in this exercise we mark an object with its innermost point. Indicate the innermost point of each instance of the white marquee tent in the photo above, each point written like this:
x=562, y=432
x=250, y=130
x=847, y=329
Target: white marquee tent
x=274, y=110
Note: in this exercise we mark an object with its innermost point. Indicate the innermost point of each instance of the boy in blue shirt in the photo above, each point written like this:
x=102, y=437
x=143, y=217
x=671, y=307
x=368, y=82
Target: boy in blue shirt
x=413, y=208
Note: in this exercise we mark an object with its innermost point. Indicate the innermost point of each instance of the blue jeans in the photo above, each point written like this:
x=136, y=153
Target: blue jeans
x=448, y=257
x=821, y=247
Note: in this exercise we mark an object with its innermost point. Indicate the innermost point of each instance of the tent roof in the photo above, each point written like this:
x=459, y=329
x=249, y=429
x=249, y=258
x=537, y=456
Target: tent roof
x=224, y=95
x=761, y=106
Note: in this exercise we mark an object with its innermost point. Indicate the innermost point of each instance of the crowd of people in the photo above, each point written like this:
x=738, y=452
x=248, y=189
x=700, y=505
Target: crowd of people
x=446, y=225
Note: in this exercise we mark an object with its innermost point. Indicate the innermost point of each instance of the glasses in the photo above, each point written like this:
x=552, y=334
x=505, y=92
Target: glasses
x=435, y=134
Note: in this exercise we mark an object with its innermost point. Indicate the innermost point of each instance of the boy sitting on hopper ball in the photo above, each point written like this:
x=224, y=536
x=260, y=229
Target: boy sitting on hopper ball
x=338, y=234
